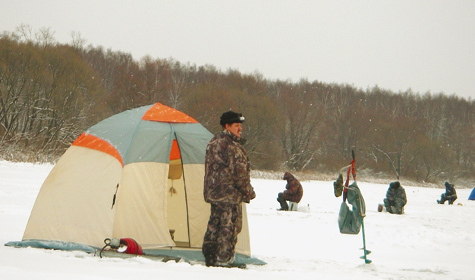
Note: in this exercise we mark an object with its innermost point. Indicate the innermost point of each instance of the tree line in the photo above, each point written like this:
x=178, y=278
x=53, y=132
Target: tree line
x=51, y=92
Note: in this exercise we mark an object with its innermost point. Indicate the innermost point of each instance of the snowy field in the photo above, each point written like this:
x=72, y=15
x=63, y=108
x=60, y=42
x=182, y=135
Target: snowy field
x=429, y=241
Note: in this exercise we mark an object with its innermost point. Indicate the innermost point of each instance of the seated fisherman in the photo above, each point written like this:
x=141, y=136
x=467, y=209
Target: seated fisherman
x=293, y=192
x=449, y=195
x=395, y=198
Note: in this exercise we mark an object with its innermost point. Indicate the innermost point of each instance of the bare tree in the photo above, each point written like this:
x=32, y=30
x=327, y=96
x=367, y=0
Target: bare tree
x=77, y=41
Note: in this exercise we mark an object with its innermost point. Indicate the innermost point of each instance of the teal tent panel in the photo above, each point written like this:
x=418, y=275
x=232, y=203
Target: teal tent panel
x=119, y=130
x=52, y=244
x=140, y=140
x=192, y=139
x=188, y=255
x=151, y=142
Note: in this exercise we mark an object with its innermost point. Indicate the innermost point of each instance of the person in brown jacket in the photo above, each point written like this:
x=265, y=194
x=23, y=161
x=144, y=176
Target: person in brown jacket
x=227, y=183
x=293, y=192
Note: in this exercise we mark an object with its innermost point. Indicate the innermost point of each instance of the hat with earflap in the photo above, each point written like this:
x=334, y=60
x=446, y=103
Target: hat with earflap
x=231, y=117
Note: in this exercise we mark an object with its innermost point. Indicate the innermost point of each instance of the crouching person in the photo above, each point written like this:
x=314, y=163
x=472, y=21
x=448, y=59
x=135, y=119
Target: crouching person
x=395, y=198
x=293, y=192
x=450, y=194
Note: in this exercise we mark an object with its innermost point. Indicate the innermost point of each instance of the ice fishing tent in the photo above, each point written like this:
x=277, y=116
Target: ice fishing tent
x=138, y=174
x=472, y=195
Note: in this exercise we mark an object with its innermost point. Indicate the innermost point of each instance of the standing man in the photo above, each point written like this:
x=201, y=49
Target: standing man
x=227, y=184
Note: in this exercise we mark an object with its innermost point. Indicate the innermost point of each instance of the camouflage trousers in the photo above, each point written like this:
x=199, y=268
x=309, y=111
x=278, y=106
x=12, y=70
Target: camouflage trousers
x=394, y=207
x=224, y=225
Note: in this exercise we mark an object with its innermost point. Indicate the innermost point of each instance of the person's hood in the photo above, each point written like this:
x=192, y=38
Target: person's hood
x=395, y=185
x=288, y=176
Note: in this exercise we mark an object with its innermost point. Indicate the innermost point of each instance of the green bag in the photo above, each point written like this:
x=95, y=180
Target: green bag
x=349, y=221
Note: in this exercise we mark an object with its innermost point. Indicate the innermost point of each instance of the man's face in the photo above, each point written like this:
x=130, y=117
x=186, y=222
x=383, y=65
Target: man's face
x=234, y=128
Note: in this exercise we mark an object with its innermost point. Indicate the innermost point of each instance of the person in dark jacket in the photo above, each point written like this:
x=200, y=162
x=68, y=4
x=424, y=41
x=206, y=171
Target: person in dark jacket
x=293, y=192
x=227, y=184
x=449, y=195
x=395, y=198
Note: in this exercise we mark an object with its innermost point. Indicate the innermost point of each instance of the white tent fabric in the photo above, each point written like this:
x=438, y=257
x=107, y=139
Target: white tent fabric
x=116, y=181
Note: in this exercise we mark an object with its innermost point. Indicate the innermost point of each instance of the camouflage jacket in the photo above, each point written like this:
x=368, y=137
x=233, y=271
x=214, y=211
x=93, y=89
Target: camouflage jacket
x=293, y=189
x=397, y=196
x=227, y=171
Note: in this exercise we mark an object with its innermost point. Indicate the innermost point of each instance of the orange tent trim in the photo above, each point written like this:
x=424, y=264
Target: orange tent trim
x=175, y=152
x=162, y=113
x=96, y=143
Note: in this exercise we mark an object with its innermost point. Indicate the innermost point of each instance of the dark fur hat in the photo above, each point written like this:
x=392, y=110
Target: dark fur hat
x=231, y=117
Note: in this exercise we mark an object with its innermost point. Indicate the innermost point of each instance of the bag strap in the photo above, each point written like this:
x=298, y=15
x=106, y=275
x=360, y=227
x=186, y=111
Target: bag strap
x=351, y=169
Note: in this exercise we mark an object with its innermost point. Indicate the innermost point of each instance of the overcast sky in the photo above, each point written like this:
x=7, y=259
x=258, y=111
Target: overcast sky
x=427, y=46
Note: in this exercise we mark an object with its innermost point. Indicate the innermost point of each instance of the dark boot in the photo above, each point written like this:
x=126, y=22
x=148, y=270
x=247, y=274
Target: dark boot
x=283, y=203
x=209, y=251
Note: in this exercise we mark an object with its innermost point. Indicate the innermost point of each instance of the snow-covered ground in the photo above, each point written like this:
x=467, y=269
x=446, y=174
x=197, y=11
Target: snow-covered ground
x=429, y=241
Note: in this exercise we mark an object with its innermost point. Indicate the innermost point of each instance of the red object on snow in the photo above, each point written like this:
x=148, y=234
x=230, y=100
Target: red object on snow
x=132, y=246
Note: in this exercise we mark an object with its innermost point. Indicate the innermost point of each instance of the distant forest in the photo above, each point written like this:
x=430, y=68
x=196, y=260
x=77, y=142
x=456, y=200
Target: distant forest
x=50, y=93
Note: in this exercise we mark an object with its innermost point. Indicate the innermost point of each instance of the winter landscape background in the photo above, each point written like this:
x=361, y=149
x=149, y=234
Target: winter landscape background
x=429, y=241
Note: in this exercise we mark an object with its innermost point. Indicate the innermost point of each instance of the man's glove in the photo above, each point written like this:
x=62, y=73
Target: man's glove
x=338, y=186
x=249, y=196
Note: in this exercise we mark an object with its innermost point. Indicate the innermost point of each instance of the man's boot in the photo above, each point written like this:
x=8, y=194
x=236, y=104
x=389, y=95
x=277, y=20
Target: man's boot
x=209, y=251
x=283, y=203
